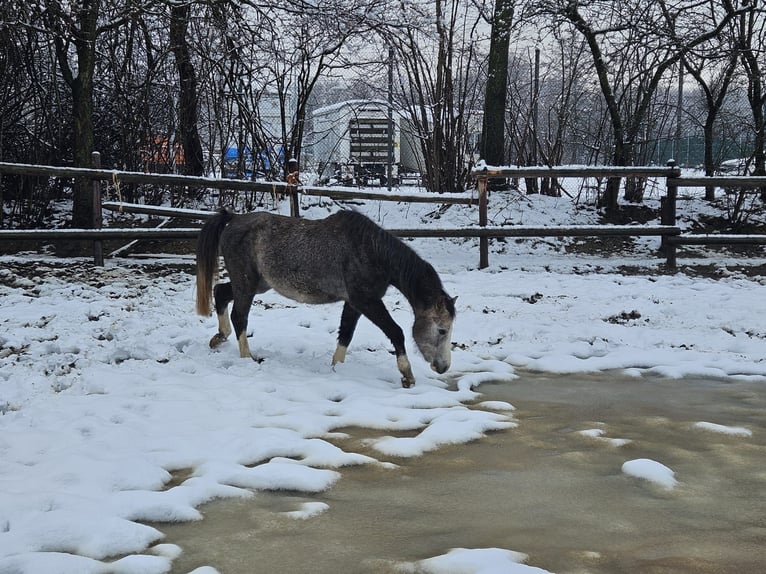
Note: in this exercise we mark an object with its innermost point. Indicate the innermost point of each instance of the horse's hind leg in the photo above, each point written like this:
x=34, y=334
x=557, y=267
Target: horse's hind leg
x=222, y=295
x=239, y=312
x=348, y=320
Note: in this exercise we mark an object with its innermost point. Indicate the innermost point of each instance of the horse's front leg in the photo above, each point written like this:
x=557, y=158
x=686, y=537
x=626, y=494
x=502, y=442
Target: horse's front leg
x=376, y=312
x=348, y=320
x=222, y=295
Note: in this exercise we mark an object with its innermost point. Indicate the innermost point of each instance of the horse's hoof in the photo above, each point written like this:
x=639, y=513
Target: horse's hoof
x=407, y=383
x=217, y=339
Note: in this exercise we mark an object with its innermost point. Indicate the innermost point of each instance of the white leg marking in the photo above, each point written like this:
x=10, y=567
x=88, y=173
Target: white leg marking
x=224, y=325
x=244, y=348
x=339, y=356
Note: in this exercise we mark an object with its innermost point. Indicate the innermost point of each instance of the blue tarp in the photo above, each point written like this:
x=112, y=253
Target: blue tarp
x=232, y=155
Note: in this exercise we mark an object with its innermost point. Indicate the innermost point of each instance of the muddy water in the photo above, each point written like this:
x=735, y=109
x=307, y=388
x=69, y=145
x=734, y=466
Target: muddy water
x=543, y=489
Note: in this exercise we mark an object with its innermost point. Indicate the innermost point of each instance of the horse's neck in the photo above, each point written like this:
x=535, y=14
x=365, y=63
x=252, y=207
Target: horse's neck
x=415, y=278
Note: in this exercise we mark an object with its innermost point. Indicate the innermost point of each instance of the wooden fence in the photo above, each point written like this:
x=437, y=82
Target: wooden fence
x=669, y=232
x=753, y=184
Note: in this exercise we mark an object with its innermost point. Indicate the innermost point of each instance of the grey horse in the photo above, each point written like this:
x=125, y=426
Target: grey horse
x=344, y=257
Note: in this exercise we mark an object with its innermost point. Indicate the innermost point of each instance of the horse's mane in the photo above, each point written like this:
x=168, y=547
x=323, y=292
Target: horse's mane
x=411, y=274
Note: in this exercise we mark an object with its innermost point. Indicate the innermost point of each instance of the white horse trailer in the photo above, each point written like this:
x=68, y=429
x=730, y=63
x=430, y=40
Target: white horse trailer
x=350, y=142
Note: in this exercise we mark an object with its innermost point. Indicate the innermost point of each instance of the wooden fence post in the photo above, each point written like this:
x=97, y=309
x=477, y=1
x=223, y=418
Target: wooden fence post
x=98, y=247
x=668, y=215
x=483, y=240
x=292, y=190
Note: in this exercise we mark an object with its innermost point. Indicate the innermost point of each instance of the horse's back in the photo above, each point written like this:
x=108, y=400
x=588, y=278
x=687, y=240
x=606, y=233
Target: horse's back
x=303, y=259
x=342, y=233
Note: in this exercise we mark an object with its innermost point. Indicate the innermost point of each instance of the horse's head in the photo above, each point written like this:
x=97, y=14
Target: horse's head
x=432, y=332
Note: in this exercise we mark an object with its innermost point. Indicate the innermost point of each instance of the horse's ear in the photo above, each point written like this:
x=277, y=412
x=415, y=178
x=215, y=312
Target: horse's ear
x=441, y=303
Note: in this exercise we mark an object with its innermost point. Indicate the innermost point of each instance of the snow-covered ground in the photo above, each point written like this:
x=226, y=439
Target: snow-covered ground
x=114, y=412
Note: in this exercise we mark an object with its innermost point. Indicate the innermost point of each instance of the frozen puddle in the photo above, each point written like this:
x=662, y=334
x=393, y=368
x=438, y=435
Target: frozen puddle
x=603, y=474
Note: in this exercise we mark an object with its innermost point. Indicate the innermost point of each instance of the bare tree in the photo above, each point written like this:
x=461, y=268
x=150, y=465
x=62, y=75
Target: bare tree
x=714, y=75
x=750, y=37
x=253, y=68
x=439, y=52
x=632, y=50
x=72, y=30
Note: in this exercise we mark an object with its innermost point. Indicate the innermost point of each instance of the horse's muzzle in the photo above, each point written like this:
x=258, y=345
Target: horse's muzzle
x=440, y=367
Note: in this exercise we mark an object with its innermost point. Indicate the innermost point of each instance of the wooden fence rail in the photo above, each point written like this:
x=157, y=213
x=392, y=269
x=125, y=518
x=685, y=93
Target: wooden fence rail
x=101, y=234
x=584, y=171
x=516, y=231
x=140, y=177
x=117, y=176
x=667, y=230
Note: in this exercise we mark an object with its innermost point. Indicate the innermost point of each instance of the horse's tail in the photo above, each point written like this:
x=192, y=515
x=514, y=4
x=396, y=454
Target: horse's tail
x=207, y=258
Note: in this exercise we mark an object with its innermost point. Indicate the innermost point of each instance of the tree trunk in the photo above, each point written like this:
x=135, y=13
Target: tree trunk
x=187, y=104
x=82, y=111
x=634, y=189
x=612, y=190
x=81, y=86
x=709, y=161
x=759, y=124
x=492, y=149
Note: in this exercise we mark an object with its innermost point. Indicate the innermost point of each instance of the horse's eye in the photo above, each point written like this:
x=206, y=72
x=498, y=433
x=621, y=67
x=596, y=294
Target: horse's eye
x=442, y=331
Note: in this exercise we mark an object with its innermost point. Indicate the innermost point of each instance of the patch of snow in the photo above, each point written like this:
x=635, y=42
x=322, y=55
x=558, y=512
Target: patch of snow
x=478, y=561
x=308, y=510
x=723, y=429
x=651, y=470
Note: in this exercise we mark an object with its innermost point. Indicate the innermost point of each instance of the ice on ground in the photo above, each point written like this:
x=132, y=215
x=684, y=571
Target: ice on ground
x=598, y=435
